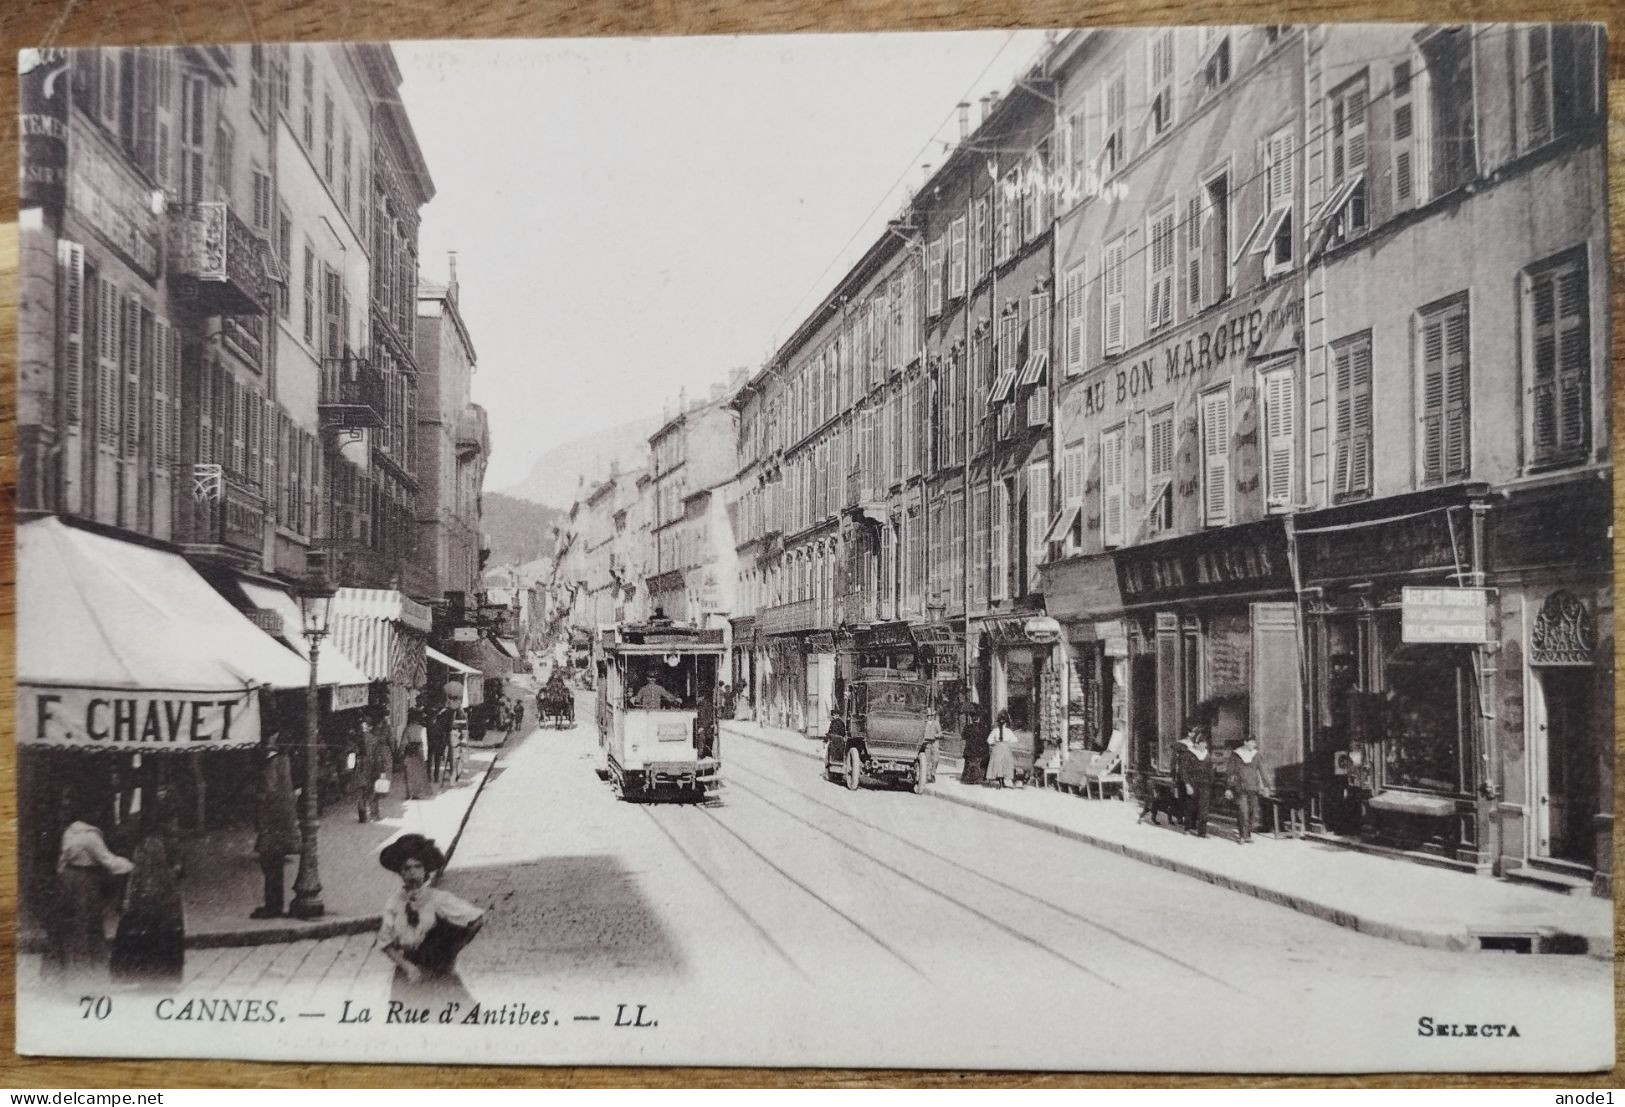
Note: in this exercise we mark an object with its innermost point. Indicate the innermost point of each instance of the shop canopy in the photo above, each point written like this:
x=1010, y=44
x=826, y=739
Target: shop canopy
x=381, y=631
x=124, y=647
x=332, y=666
x=449, y=662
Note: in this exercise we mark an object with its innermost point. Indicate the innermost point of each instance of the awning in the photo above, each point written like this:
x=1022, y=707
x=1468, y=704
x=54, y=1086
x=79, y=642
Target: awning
x=382, y=632
x=1272, y=227
x=125, y=647
x=1062, y=524
x=1339, y=197
x=507, y=646
x=332, y=667
x=1002, y=387
x=449, y=662
x=486, y=658
x=1034, y=371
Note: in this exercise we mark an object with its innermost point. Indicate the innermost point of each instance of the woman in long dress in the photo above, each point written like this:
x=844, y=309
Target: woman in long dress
x=150, y=946
x=83, y=866
x=423, y=928
x=414, y=756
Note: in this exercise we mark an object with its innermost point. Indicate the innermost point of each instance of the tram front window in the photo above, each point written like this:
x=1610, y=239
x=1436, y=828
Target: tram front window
x=652, y=684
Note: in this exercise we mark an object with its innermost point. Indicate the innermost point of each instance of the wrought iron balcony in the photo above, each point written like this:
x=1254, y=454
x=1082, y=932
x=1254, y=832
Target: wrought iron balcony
x=352, y=393
x=785, y=618
x=217, y=262
x=230, y=529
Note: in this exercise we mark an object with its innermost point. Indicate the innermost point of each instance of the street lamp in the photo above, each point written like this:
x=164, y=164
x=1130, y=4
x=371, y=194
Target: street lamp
x=315, y=608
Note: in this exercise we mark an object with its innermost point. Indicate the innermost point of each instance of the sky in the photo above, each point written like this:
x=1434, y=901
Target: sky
x=636, y=216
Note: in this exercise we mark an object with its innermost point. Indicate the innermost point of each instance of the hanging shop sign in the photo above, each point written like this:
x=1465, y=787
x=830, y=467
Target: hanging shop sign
x=42, y=125
x=1042, y=630
x=1564, y=632
x=465, y=634
x=1446, y=616
x=1243, y=559
x=347, y=697
x=135, y=721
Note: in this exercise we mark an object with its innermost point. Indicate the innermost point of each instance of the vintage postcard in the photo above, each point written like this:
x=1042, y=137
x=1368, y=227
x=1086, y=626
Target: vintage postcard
x=1071, y=549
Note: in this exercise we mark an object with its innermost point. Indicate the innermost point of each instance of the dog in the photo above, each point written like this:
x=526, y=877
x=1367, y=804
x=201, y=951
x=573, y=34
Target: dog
x=1161, y=799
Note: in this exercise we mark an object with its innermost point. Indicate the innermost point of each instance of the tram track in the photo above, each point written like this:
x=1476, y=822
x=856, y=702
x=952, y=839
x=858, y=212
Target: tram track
x=968, y=870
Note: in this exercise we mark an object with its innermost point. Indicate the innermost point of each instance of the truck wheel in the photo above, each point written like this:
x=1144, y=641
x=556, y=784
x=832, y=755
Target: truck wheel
x=854, y=769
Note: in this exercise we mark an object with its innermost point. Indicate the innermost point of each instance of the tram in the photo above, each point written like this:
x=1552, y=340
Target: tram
x=657, y=715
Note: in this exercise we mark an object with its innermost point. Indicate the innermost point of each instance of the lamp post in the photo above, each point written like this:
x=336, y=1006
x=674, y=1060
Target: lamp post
x=315, y=607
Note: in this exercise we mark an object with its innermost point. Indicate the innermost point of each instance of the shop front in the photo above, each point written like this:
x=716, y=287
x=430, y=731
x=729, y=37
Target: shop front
x=385, y=633
x=140, y=693
x=783, y=662
x=1083, y=595
x=1018, y=676
x=742, y=666
x=1550, y=569
x=1399, y=632
x=820, y=686
x=1209, y=632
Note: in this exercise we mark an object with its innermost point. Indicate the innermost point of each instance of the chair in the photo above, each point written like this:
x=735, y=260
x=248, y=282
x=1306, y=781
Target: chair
x=1105, y=769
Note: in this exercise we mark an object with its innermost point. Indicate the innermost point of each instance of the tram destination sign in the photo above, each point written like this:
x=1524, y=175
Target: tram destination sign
x=1446, y=616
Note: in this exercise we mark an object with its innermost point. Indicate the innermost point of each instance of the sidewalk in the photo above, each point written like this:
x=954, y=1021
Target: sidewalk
x=1411, y=903
x=223, y=882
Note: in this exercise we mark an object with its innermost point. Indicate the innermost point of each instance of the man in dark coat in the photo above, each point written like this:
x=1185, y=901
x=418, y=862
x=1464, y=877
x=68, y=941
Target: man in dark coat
x=277, y=826
x=1248, y=781
x=372, y=760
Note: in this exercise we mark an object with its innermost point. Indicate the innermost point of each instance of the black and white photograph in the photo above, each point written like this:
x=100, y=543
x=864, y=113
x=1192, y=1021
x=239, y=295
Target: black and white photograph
x=1078, y=550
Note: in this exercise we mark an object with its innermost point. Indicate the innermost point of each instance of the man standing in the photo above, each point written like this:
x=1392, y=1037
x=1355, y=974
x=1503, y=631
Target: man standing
x=371, y=763
x=652, y=697
x=1248, y=781
x=277, y=825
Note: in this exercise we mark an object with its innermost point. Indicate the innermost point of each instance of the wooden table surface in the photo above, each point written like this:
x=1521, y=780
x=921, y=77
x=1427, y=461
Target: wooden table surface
x=92, y=22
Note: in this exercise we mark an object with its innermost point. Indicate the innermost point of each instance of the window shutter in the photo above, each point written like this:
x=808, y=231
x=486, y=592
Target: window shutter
x=1111, y=474
x=1216, y=457
x=1113, y=279
x=130, y=365
x=1457, y=444
x=203, y=449
x=256, y=431
x=1280, y=425
x=933, y=288
x=956, y=258
x=175, y=387
x=1404, y=140
x=71, y=290
x=1354, y=137
x=1573, y=356
x=163, y=391
x=1193, y=253
x=107, y=368
x=1343, y=420
x=1360, y=418
x=272, y=417
x=1000, y=544
x=1072, y=314
x=1433, y=400
x=1161, y=460
x=223, y=399
x=1037, y=518
x=1072, y=477
x=1537, y=85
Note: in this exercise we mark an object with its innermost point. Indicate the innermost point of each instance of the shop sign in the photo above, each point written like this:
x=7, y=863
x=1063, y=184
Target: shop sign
x=1113, y=637
x=42, y=124
x=1042, y=630
x=1383, y=547
x=1247, y=558
x=465, y=634
x=1564, y=632
x=1446, y=616
x=104, y=195
x=136, y=722
x=1196, y=353
x=891, y=636
x=349, y=696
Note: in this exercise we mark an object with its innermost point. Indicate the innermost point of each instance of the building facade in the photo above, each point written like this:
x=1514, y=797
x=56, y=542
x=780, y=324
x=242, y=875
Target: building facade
x=452, y=450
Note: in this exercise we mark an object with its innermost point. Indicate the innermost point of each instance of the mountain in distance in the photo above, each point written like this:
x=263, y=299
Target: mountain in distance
x=555, y=479
x=520, y=531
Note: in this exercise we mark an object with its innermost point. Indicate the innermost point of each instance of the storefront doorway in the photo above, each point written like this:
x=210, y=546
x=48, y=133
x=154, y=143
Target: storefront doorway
x=1566, y=778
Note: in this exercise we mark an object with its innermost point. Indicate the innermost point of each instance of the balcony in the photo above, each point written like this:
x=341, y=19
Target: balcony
x=865, y=497
x=787, y=618
x=230, y=529
x=352, y=394
x=217, y=263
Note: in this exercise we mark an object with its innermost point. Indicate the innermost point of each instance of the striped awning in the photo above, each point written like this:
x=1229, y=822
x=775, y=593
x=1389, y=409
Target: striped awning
x=332, y=666
x=382, y=632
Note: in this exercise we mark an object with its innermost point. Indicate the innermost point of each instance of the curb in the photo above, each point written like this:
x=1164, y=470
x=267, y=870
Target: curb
x=1455, y=941
x=329, y=928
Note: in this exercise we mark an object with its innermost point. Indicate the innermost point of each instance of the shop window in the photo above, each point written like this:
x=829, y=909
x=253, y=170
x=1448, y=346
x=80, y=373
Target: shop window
x=1557, y=359
x=1444, y=351
x=1019, y=689
x=1424, y=713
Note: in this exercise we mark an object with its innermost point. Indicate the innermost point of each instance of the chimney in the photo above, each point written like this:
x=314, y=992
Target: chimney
x=989, y=102
x=964, y=120
x=451, y=283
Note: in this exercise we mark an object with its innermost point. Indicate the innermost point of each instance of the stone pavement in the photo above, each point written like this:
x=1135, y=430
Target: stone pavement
x=1403, y=901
